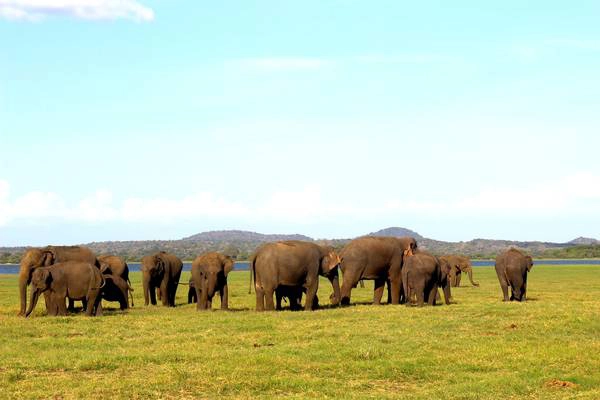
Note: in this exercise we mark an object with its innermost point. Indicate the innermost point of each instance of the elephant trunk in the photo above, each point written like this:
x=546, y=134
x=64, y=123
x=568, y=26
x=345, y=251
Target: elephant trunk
x=35, y=295
x=336, y=296
x=146, y=289
x=23, y=280
x=130, y=291
x=211, y=285
x=470, y=275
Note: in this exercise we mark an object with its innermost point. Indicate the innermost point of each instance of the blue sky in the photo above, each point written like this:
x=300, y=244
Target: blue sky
x=160, y=119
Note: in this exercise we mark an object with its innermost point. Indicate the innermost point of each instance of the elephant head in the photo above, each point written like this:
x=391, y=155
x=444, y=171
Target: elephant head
x=529, y=263
x=410, y=246
x=329, y=268
x=32, y=259
x=214, y=274
x=41, y=279
x=153, y=270
x=444, y=278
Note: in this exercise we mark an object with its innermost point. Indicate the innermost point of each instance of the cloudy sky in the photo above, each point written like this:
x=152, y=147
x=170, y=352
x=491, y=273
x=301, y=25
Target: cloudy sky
x=160, y=119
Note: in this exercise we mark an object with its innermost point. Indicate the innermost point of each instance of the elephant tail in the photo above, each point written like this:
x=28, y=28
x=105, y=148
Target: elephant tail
x=252, y=273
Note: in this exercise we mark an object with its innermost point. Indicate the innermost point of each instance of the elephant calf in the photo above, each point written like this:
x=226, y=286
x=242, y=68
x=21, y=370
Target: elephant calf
x=459, y=265
x=209, y=274
x=192, y=296
x=422, y=275
x=74, y=280
x=512, y=267
x=116, y=289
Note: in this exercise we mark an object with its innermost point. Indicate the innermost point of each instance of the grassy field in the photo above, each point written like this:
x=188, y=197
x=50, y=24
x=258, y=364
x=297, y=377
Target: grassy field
x=478, y=348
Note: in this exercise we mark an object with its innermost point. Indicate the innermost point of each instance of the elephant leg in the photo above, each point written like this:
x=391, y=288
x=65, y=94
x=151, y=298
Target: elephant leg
x=61, y=306
x=458, y=277
x=504, y=286
x=390, y=296
x=260, y=298
x=396, y=287
x=99, y=310
x=278, y=299
x=348, y=283
x=224, y=297
x=433, y=295
x=172, y=293
x=269, y=304
x=311, y=292
x=72, y=305
x=152, y=295
x=419, y=292
x=164, y=293
x=378, y=290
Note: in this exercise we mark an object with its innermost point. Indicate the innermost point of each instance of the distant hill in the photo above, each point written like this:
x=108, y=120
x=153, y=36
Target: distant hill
x=241, y=245
x=584, y=241
x=395, y=231
x=233, y=235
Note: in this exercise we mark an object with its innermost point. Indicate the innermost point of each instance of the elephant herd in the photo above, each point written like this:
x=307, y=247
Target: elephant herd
x=286, y=269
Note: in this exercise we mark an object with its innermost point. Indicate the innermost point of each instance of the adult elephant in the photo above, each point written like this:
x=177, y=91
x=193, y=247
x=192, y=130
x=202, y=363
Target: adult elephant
x=375, y=258
x=422, y=275
x=209, y=275
x=293, y=263
x=116, y=266
x=512, y=267
x=459, y=265
x=46, y=256
x=161, y=271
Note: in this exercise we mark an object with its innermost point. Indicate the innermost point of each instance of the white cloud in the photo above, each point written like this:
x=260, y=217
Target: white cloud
x=284, y=63
x=35, y=10
x=577, y=194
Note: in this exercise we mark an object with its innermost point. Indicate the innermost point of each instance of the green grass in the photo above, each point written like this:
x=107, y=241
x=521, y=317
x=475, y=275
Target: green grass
x=479, y=348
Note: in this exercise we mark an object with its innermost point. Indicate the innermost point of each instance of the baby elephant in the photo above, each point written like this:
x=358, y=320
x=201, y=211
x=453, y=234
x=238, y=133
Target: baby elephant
x=192, y=296
x=74, y=280
x=512, y=267
x=422, y=274
x=209, y=274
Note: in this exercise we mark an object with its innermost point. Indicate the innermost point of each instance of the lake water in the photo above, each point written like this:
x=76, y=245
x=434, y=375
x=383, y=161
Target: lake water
x=244, y=265
x=133, y=267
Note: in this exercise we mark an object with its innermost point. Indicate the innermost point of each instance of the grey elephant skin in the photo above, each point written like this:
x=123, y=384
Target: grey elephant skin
x=459, y=265
x=46, y=256
x=161, y=271
x=512, y=267
x=72, y=279
x=117, y=269
x=209, y=276
x=293, y=263
x=379, y=259
x=422, y=275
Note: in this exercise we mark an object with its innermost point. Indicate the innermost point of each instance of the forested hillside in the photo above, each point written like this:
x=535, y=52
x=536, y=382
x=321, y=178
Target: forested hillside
x=241, y=245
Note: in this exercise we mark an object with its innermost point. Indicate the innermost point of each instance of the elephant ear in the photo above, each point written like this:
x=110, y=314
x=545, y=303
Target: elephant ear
x=529, y=263
x=48, y=258
x=47, y=276
x=105, y=269
x=160, y=265
x=227, y=265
